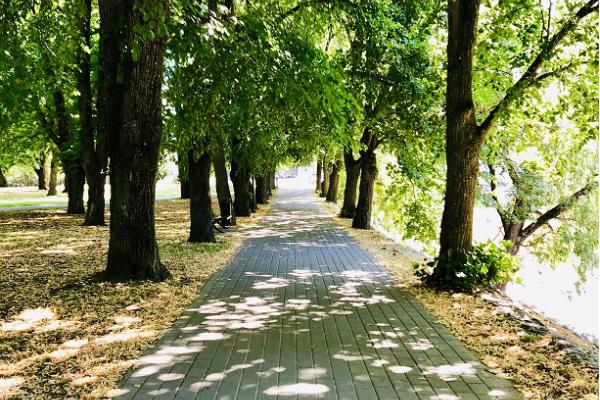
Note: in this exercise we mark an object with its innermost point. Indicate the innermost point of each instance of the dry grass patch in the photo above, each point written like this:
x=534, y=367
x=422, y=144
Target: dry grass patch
x=541, y=358
x=64, y=332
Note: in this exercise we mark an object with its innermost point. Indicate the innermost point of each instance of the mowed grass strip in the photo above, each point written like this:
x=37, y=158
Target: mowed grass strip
x=64, y=331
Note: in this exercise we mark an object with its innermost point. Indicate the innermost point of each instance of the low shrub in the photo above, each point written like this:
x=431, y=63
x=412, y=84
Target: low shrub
x=486, y=264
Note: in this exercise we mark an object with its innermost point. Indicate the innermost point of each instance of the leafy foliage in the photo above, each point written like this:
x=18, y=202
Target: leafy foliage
x=486, y=264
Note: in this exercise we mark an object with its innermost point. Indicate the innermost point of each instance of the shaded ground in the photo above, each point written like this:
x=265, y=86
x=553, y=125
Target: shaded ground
x=302, y=311
x=64, y=332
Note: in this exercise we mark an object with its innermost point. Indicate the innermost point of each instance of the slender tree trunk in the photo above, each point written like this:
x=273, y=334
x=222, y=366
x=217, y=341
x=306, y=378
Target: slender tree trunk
x=325, y=181
x=319, y=171
x=240, y=178
x=93, y=151
x=352, y=174
x=364, y=206
x=223, y=192
x=183, y=174
x=134, y=124
x=53, y=181
x=252, y=190
x=462, y=139
x=273, y=180
x=40, y=171
x=3, y=182
x=332, y=193
x=201, y=228
x=261, y=189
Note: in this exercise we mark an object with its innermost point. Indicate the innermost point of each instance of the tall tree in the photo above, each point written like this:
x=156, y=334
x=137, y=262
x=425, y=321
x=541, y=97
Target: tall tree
x=464, y=136
x=133, y=36
x=201, y=228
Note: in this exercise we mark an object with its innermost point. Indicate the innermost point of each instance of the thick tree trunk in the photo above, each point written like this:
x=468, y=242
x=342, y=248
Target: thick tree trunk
x=462, y=139
x=96, y=204
x=364, y=206
x=93, y=151
x=325, y=181
x=223, y=192
x=332, y=193
x=40, y=171
x=261, y=189
x=75, y=182
x=319, y=172
x=240, y=178
x=201, y=228
x=53, y=181
x=134, y=124
x=3, y=182
x=183, y=175
x=352, y=174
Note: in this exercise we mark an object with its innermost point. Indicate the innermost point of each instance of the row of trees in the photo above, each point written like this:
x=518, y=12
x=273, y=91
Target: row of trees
x=113, y=87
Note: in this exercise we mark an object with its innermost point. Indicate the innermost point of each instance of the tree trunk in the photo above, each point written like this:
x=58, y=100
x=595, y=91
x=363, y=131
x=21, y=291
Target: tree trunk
x=273, y=180
x=134, y=125
x=223, y=192
x=261, y=189
x=364, y=206
x=53, y=175
x=96, y=204
x=319, y=171
x=3, y=182
x=40, y=171
x=462, y=139
x=201, y=228
x=240, y=178
x=252, y=190
x=352, y=174
x=75, y=182
x=183, y=175
x=325, y=181
x=512, y=234
x=93, y=151
x=332, y=193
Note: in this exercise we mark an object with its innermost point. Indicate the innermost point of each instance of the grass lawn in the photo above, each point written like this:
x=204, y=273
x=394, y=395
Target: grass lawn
x=30, y=196
x=66, y=333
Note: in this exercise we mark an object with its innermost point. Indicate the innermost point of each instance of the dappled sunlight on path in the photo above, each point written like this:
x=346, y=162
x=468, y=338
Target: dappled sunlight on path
x=303, y=312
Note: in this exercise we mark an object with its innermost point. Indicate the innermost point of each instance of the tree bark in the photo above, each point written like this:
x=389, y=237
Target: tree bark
x=273, y=180
x=183, y=175
x=223, y=192
x=325, y=181
x=134, y=125
x=368, y=175
x=40, y=171
x=319, y=171
x=462, y=141
x=93, y=149
x=261, y=189
x=3, y=182
x=52, y=182
x=252, y=190
x=201, y=228
x=75, y=182
x=352, y=174
x=240, y=178
x=332, y=193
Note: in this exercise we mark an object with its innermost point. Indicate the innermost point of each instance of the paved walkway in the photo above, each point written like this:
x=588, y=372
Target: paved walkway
x=303, y=312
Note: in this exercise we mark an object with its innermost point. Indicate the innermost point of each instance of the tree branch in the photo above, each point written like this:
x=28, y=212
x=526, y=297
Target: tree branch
x=529, y=77
x=556, y=211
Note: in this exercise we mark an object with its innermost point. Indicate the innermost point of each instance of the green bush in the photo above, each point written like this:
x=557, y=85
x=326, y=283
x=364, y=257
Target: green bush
x=486, y=264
